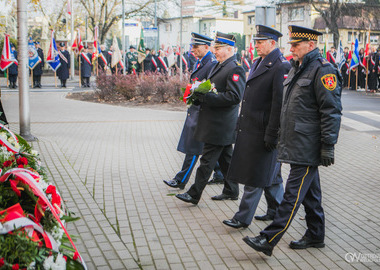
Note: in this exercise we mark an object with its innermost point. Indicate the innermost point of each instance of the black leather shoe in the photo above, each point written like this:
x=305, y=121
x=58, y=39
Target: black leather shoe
x=234, y=223
x=259, y=243
x=215, y=181
x=187, y=198
x=264, y=217
x=174, y=184
x=223, y=197
x=306, y=242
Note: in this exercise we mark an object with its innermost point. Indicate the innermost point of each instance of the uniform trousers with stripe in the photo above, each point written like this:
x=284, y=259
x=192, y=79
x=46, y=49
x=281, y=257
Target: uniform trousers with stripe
x=210, y=156
x=188, y=165
x=303, y=187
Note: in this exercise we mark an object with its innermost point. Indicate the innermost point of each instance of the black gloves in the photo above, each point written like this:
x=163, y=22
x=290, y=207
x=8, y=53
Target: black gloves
x=327, y=154
x=270, y=146
x=199, y=96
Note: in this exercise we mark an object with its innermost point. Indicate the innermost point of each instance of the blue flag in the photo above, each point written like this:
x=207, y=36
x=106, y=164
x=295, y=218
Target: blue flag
x=340, y=59
x=34, y=59
x=355, y=56
x=53, y=56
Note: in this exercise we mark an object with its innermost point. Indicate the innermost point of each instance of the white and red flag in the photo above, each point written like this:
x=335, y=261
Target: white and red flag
x=77, y=44
x=7, y=57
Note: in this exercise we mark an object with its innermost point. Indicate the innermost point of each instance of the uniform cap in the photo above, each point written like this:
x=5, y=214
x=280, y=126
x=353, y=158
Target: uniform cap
x=299, y=33
x=266, y=32
x=198, y=39
x=131, y=47
x=62, y=44
x=222, y=39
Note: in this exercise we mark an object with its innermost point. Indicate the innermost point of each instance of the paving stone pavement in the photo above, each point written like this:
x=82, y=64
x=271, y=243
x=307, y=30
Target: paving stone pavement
x=109, y=163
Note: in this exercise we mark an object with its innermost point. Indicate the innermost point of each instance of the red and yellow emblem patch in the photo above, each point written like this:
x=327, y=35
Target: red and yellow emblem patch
x=329, y=81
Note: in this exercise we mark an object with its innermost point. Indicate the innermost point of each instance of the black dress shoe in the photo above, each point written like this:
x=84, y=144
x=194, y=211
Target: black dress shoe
x=306, y=242
x=174, y=184
x=187, y=198
x=215, y=181
x=234, y=223
x=264, y=217
x=259, y=243
x=223, y=197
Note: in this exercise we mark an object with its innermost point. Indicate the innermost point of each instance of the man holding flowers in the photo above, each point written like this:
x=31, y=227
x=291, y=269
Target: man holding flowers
x=217, y=120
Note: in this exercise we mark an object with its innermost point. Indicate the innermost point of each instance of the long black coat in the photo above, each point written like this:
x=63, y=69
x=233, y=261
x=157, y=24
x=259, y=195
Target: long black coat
x=63, y=70
x=13, y=69
x=373, y=70
x=218, y=113
x=311, y=110
x=101, y=64
x=85, y=67
x=187, y=143
x=148, y=63
x=38, y=70
x=259, y=120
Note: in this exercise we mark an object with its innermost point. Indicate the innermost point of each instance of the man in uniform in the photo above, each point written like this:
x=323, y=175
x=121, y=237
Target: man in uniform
x=310, y=123
x=149, y=63
x=187, y=144
x=86, y=67
x=38, y=70
x=13, y=70
x=253, y=161
x=217, y=120
x=63, y=71
x=133, y=63
x=103, y=59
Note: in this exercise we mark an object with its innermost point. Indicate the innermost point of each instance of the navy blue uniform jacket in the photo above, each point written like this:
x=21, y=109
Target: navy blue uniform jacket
x=259, y=120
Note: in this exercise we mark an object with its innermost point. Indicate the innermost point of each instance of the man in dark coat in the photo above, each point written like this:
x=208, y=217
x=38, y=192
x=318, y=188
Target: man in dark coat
x=162, y=62
x=192, y=59
x=187, y=144
x=13, y=70
x=217, y=120
x=253, y=162
x=63, y=71
x=103, y=59
x=86, y=67
x=38, y=69
x=149, y=63
x=372, y=71
x=309, y=127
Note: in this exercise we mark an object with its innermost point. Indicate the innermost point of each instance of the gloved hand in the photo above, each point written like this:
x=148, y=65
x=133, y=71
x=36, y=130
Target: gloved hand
x=270, y=146
x=199, y=96
x=327, y=154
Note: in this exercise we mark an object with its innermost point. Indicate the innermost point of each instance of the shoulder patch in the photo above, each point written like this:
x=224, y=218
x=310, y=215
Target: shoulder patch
x=235, y=77
x=323, y=61
x=329, y=81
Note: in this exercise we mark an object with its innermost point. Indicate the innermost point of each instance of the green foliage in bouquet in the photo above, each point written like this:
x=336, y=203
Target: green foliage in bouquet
x=204, y=87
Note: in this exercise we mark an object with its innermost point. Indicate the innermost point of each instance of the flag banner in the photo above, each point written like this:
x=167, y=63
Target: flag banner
x=141, y=48
x=34, y=59
x=170, y=56
x=355, y=55
x=97, y=51
x=53, y=56
x=68, y=7
x=252, y=51
x=7, y=57
x=340, y=59
x=77, y=46
x=366, y=52
x=116, y=54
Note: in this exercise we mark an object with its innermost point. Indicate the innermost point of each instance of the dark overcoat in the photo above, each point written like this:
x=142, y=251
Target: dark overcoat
x=187, y=143
x=38, y=70
x=101, y=64
x=311, y=110
x=63, y=70
x=259, y=120
x=85, y=67
x=13, y=69
x=148, y=63
x=218, y=113
x=372, y=71
x=191, y=61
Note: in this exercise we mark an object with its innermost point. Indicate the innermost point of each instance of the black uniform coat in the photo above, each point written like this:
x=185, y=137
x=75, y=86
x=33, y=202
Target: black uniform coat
x=372, y=71
x=13, y=69
x=101, y=64
x=38, y=68
x=63, y=70
x=85, y=67
x=187, y=144
x=311, y=110
x=148, y=63
x=259, y=120
x=191, y=61
x=218, y=113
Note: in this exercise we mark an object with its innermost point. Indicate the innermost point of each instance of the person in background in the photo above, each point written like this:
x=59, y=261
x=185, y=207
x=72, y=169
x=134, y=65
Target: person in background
x=38, y=69
x=63, y=71
x=86, y=67
x=13, y=70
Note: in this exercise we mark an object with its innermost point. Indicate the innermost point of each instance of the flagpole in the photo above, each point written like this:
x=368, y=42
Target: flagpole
x=80, y=75
x=31, y=77
x=72, y=56
x=55, y=78
x=349, y=67
x=367, y=60
x=7, y=77
x=357, y=75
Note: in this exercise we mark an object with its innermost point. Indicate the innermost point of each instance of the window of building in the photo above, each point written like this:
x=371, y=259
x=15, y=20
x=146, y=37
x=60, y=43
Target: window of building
x=352, y=35
x=251, y=20
x=168, y=27
x=374, y=38
x=323, y=38
x=204, y=27
x=296, y=14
